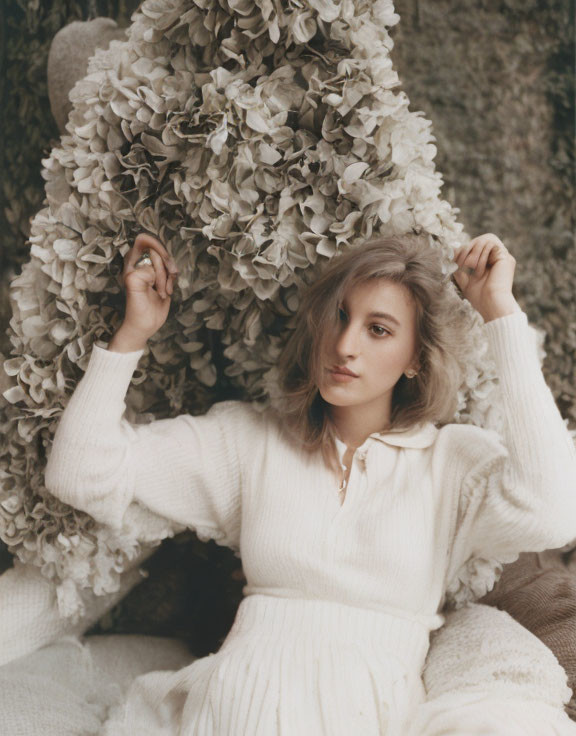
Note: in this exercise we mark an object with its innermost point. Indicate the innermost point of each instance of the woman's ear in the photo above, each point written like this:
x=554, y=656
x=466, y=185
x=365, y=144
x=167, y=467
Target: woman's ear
x=415, y=362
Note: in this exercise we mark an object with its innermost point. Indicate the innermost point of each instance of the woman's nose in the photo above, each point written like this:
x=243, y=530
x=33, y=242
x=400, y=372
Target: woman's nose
x=347, y=342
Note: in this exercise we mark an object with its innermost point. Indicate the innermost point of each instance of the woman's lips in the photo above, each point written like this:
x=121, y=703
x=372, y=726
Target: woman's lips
x=342, y=377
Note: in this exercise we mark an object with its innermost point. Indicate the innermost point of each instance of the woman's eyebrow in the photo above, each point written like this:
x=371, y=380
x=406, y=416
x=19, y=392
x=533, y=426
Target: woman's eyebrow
x=385, y=315
x=381, y=315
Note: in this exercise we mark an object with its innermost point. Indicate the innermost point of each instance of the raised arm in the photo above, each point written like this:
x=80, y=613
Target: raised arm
x=519, y=493
x=187, y=469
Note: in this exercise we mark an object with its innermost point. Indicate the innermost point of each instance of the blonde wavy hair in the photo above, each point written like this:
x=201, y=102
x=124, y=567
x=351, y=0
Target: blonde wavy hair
x=441, y=329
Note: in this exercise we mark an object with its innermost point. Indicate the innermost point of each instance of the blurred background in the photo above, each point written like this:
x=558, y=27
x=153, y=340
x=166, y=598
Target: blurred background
x=497, y=81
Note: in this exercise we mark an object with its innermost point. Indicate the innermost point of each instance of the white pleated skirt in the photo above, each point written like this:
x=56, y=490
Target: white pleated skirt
x=288, y=667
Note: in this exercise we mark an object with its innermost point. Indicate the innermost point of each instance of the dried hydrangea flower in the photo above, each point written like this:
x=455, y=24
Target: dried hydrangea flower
x=257, y=140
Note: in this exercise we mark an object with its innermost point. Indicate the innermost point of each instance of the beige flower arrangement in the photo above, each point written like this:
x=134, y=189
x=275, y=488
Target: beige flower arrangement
x=256, y=139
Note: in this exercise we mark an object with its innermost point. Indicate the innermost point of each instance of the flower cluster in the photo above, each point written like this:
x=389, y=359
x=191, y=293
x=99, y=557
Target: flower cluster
x=256, y=140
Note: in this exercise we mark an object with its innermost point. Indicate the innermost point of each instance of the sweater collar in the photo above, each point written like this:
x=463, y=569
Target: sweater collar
x=420, y=435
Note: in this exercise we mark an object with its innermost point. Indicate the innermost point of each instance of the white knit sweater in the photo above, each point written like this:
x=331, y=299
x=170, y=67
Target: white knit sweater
x=428, y=512
x=427, y=516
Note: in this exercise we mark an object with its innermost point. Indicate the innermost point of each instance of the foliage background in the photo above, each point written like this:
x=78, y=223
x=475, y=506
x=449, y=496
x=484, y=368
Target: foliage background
x=497, y=81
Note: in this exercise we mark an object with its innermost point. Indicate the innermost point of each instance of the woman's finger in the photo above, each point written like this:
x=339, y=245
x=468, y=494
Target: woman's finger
x=464, y=252
x=148, y=242
x=146, y=277
x=483, y=260
x=132, y=258
x=496, y=245
x=170, y=284
x=473, y=257
x=469, y=256
x=160, y=273
x=461, y=278
x=496, y=252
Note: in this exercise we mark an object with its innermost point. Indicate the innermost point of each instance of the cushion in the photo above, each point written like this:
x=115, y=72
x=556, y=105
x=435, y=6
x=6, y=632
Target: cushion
x=539, y=591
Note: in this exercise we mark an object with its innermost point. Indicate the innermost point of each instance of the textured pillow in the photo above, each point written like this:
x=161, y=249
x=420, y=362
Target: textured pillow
x=539, y=591
x=70, y=686
x=482, y=648
x=486, y=674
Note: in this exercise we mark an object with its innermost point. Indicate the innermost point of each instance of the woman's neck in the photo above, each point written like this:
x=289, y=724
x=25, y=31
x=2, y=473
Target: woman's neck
x=354, y=424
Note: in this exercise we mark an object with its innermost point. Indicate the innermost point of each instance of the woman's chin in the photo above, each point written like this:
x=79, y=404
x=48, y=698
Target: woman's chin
x=338, y=395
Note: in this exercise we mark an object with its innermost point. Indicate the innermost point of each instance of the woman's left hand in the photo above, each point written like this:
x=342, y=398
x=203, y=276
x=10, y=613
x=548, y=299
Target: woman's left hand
x=485, y=275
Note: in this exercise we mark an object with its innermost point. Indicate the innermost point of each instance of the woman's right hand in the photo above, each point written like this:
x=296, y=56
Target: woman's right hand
x=148, y=288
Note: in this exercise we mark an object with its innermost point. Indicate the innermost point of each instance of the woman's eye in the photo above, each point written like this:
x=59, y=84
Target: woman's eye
x=384, y=330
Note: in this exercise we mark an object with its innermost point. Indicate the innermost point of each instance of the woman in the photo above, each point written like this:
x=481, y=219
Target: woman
x=354, y=514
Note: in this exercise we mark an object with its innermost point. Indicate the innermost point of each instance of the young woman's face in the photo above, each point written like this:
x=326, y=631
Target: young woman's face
x=376, y=348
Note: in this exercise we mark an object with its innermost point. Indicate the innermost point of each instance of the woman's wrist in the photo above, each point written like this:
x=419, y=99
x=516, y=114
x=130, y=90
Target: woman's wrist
x=127, y=341
x=500, y=308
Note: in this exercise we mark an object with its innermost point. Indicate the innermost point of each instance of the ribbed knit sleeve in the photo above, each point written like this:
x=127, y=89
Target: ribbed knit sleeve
x=187, y=469
x=521, y=495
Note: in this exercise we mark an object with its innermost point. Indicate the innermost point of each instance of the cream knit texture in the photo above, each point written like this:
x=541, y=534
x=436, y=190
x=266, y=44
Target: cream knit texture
x=429, y=517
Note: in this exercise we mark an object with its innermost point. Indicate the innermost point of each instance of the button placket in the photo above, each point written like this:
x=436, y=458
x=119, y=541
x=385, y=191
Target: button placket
x=358, y=465
x=357, y=484
x=363, y=464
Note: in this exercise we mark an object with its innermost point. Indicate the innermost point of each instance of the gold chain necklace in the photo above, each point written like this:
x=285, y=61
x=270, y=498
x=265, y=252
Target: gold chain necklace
x=343, y=485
